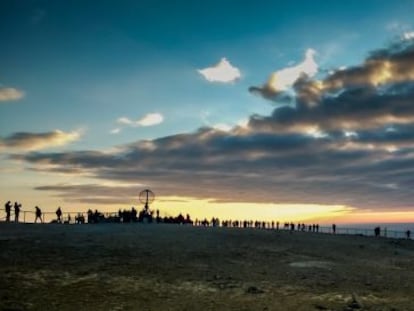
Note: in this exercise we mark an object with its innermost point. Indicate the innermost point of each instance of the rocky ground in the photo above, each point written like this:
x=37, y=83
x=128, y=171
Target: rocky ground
x=171, y=267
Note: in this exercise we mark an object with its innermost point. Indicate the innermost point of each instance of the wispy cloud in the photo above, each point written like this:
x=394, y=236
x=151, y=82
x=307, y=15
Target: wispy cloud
x=221, y=126
x=409, y=35
x=25, y=141
x=115, y=131
x=281, y=80
x=222, y=72
x=149, y=119
x=9, y=94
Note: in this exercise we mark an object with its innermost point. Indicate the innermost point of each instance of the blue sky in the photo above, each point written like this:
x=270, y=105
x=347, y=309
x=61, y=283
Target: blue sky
x=82, y=65
x=86, y=64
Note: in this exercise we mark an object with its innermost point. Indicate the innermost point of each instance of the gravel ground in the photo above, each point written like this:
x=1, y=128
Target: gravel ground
x=172, y=267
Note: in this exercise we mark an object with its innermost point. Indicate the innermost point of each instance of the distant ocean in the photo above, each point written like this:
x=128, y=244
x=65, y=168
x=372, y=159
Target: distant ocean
x=391, y=230
x=389, y=226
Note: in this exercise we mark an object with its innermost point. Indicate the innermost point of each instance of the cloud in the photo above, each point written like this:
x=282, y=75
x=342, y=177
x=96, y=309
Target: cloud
x=9, y=94
x=377, y=70
x=352, y=109
x=371, y=95
x=383, y=67
x=115, y=131
x=281, y=80
x=221, y=126
x=409, y=35
x=94, y=193
x=221, y=72
x=36, y=141
x=353, y=146
x=149, y=119
x=124, y=121
x=259, y=167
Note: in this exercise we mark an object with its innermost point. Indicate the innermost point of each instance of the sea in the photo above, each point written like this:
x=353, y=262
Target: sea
x=391, y=230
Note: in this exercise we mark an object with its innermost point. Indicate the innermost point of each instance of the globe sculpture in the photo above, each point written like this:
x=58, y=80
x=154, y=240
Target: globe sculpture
x=146, y=197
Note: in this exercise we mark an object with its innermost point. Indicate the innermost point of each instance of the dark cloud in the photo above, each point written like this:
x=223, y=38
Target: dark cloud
x=278, y=97
x=383, y=67
x=370, y=95
x=94, y=193
x=353, y=108
x=286, y=168
x=35, y=141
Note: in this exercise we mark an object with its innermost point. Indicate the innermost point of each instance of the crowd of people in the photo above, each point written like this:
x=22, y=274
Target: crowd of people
x=215, y=222
x=17, y=209
x=146, y=215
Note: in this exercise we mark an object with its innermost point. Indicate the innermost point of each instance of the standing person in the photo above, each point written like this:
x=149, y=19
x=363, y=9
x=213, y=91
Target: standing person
x=59, y=215
x=334, y=228
x=16, y=211
x=8, y=207
x=38, y=214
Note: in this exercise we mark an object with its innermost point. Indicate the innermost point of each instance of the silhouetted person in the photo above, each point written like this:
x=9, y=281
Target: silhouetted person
x=7, y=208
x=38, y=214
x=134, y=214
x=90, y=216
x=59, y=215
x=408, y=234
x=16, y=211
x=79, y=219
x=157, y=218
x=333, y=228
x=189, y=221
x=377, y=231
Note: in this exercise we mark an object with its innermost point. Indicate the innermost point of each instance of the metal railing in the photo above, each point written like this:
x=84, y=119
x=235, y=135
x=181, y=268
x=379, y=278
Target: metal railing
x=70, y=218
x=384, y=232
x=50, y=217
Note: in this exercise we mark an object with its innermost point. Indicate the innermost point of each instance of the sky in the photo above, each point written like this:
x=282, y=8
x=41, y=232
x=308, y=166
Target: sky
x=287, y=110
